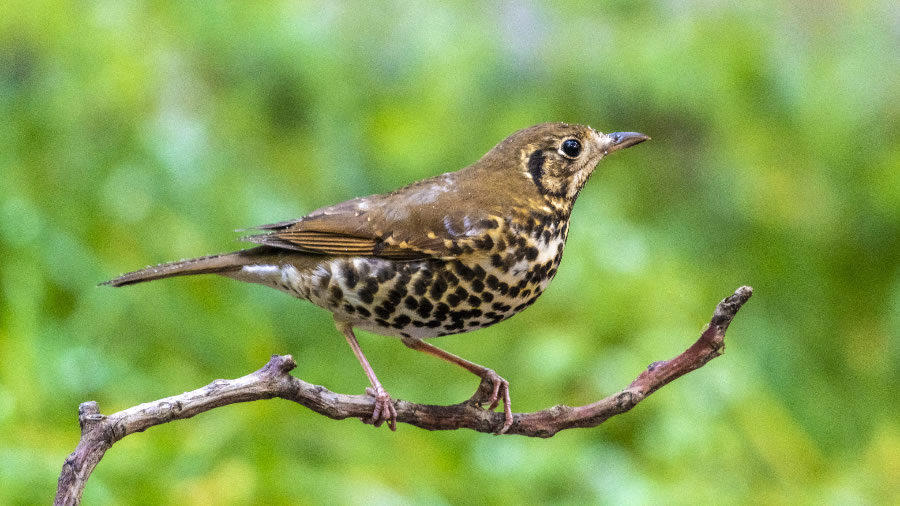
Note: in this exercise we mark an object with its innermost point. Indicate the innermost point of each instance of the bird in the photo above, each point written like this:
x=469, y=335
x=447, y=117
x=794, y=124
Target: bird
x=452, y=253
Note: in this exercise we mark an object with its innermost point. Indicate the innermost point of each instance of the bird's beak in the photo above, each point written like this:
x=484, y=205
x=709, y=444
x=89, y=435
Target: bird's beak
x=622, y=140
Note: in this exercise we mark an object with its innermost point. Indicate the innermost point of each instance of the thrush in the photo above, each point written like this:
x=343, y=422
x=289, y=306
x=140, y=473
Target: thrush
x=453, y=253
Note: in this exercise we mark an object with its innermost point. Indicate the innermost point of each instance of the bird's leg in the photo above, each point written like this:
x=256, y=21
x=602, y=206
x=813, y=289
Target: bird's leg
x=500, y=387
x=384, y=409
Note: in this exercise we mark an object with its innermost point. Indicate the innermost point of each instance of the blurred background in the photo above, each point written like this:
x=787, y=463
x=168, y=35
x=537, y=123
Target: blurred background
x=136, y=132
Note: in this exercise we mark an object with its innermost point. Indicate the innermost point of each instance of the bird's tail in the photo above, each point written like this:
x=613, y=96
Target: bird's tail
x=213, y=264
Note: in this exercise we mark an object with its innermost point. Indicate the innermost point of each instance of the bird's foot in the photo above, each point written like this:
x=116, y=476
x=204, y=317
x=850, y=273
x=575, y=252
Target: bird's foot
x=384, y=409
x=492, y=390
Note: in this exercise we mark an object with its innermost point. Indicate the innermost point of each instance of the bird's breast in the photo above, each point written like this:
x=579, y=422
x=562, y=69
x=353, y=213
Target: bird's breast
x=501, y=274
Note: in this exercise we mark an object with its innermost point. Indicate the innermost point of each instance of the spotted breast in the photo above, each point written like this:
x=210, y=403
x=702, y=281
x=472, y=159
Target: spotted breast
x=493, y=277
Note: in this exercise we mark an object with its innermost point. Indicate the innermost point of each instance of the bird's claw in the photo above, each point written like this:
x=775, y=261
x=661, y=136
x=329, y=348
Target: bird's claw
x=499, y=391
x=384, y=409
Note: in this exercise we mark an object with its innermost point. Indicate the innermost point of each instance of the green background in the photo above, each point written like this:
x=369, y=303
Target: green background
x=136, y=132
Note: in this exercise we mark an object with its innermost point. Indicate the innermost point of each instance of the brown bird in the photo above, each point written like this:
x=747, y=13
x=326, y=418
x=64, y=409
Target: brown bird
x=453, y=253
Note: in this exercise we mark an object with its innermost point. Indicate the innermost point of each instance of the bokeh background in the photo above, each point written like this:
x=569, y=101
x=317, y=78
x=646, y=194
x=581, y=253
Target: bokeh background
x=138, y=132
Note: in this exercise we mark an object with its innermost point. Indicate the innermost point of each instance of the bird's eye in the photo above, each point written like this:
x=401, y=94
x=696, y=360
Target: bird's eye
x=571, y=148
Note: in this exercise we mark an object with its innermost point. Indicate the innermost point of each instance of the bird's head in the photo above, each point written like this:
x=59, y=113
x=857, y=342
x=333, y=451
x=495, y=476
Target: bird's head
x=558, y=158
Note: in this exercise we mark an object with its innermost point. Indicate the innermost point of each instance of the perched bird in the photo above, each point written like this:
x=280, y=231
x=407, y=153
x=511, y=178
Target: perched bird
x=453, y=253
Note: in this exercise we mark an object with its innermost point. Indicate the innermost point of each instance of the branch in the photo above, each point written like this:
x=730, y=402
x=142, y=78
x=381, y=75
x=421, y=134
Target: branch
x=99, y=432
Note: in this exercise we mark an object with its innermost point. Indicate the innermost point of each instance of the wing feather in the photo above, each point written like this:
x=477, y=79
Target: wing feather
x=427, y=219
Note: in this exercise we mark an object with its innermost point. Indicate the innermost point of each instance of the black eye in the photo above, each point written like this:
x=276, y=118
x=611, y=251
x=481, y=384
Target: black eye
x=571, y=148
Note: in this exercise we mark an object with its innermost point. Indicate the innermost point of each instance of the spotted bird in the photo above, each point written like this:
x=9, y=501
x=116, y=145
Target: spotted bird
x=452, y=253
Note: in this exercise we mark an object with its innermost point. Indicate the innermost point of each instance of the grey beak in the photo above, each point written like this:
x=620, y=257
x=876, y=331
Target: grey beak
x=622, y=140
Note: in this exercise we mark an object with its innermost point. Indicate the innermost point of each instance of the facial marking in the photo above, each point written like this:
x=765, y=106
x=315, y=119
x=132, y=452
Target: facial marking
x=536, y=169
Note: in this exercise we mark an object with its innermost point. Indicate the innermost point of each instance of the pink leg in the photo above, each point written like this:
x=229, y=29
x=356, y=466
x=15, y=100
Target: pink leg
x=500, y=385
x=384, y=409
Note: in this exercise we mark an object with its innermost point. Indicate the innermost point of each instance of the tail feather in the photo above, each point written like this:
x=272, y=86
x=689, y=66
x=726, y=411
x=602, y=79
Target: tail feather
x=212, y=264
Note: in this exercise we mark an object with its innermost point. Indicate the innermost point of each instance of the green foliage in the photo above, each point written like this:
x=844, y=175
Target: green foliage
x=139, y=132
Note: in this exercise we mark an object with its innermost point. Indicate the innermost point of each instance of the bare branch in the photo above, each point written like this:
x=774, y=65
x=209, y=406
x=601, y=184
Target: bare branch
x=99, y=432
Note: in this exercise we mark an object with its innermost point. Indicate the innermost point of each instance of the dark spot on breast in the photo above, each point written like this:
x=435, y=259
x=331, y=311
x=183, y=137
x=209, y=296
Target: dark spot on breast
x=463, y=270
x=401, y=289
x=496, y=260
x=425, y=307
x=410, y=302
x=382, y=323
x=350, y=277
x=480, y=273
x=454, y=326
x=404, y=277
x=365, y=313
x=450, y=278
x=477, y=286
x=459, y=315
x=438, y=288
x=529, y=227
x=453, y=300
x=474, y=301
x=366, y=295
x=487, y=296
x=382, y=312
x=395, y=296
x=420, y=287
x=349, y=309
x=441, y=311
x=531, y=253
x=385, y=274
x=514, y=291
x=492, y=282
x=401, y=322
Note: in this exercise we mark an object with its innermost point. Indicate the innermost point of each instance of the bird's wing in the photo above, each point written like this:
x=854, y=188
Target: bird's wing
x=435, y=218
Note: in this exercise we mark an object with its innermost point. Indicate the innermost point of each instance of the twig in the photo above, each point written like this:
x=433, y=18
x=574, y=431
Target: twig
x=100, y=432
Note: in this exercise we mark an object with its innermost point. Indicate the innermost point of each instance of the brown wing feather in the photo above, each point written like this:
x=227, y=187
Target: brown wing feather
x=423, y=220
